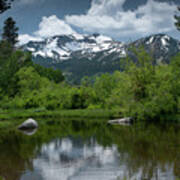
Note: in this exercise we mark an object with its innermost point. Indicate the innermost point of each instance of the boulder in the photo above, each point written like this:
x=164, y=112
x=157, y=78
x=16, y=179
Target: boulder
x=123, y=121
x=28, y=124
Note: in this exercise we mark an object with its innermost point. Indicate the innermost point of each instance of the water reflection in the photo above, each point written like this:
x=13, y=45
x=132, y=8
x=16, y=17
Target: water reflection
x=91, y=151
x=29, y=132
x=70, y=158
x=73, y=159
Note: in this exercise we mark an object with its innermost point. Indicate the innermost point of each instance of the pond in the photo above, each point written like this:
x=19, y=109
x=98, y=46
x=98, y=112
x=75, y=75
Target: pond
x=91, y=150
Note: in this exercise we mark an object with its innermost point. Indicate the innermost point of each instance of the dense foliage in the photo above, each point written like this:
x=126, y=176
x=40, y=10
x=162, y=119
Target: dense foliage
x=12, y=72
x=143, y=91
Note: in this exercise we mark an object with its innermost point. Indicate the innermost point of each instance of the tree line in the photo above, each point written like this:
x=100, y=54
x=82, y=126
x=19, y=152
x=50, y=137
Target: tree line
x=142, y=90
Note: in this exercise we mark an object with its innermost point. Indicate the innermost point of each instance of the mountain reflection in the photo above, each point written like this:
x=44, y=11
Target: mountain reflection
x=70, y=158
x=74, y=159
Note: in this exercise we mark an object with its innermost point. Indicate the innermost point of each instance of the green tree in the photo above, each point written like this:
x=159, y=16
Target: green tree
x=177, y=18
x=175, y=63
x=8, y=67
x=103, y=87
x=5, y=5
x=140, y=71
x=10, y=31
x=146, y=91
x=50, y=73
x=5, y=52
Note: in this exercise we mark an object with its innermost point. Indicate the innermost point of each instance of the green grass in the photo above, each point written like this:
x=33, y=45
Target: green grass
x=14, y=117
x=99, y=113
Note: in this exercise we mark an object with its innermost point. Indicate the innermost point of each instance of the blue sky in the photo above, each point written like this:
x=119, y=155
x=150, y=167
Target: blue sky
x=123, y=20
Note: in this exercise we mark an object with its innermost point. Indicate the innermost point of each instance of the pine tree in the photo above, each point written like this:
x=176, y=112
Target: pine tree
x=4, y=5
x=10, y=31
x=177, y=23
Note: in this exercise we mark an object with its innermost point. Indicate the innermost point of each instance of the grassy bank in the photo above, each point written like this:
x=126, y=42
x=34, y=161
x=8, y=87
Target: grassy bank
x=12, y=117
x=34, y=113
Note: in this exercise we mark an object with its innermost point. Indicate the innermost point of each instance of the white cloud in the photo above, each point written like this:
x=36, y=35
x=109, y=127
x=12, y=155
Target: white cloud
x=51, y=26
x=109, y=17
x=25, y=38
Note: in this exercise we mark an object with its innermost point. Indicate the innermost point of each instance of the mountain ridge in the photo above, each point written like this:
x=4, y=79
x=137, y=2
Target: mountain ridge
x=80, y=55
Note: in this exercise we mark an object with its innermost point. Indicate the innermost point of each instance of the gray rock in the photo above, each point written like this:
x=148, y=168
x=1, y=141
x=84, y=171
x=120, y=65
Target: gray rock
x=28, y=124
x=123, y=121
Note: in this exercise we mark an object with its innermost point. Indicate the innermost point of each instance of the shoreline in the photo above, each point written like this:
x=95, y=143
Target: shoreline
x=11, y=118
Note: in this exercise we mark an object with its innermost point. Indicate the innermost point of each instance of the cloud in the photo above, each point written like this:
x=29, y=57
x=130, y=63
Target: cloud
x=25, y=38
x=109, y=17
x=51, y=26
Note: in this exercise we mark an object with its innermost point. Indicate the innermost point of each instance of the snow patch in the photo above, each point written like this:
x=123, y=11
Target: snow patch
x=96, y=49
x=73, y=46
x=164, y=42
x=40, y=53
x=100, y=39
x=78, y=36
x=112, y=50
x=150, y=40
x=105, y=46
x=51, y=50
x=123, y=53
x=167, y=37
x=31, y=49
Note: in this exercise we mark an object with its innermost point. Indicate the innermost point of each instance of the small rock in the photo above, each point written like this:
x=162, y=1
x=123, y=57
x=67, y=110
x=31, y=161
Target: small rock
x=28, y=124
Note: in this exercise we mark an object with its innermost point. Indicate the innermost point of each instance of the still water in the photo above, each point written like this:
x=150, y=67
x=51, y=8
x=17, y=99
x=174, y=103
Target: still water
x=79, y=150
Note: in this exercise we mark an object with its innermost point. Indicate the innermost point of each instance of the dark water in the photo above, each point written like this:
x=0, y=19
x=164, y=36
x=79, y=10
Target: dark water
x=78, y=150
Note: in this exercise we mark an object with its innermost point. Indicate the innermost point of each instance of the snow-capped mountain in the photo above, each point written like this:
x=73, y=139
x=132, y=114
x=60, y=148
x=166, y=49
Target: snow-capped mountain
x=161, y=46
x=64, y=47
x=79, y=55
